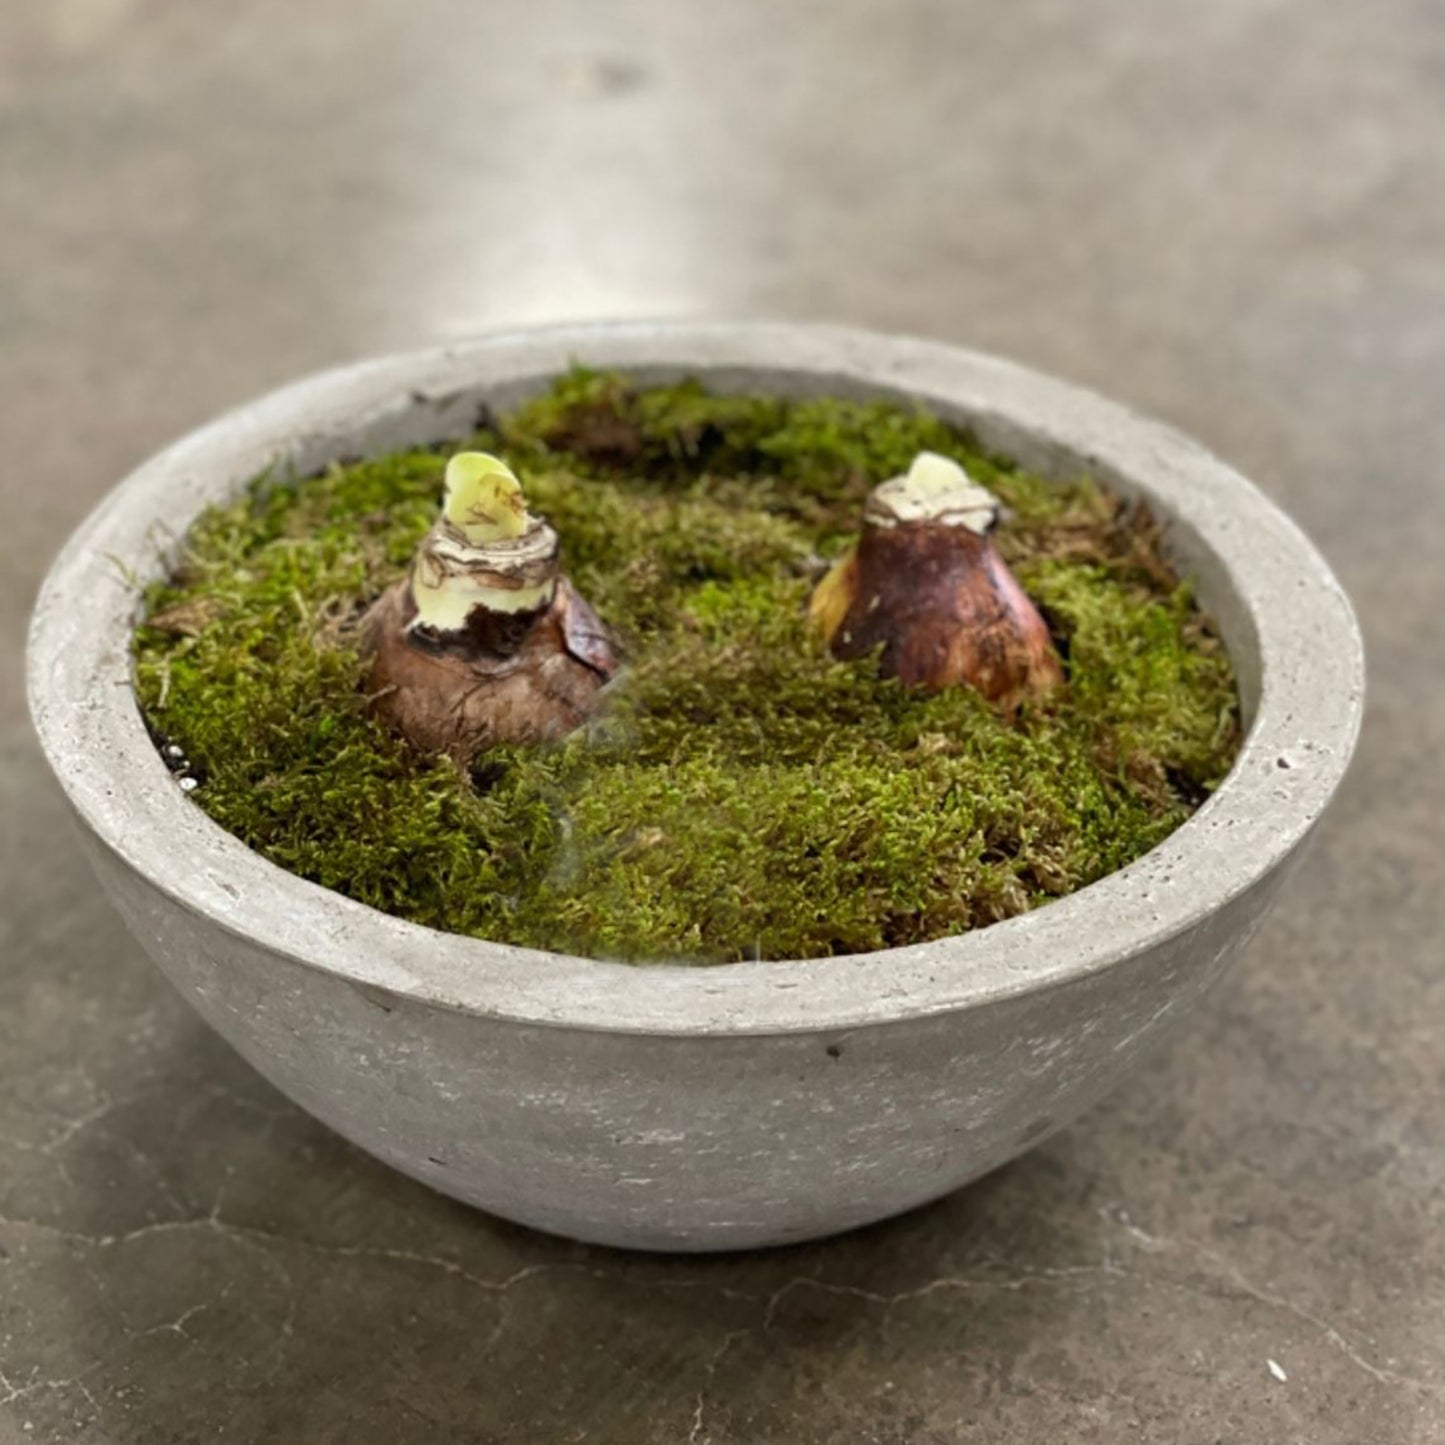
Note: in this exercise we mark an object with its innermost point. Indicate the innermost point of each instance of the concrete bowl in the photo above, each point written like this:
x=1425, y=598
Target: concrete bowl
x=687, y=1108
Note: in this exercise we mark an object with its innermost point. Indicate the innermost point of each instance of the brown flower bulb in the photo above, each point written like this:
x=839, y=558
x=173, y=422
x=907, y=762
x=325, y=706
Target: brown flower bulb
x=926, y=585
x=484, y=641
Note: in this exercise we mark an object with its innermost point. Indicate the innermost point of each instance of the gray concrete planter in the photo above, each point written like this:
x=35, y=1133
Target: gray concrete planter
x=714, y=1108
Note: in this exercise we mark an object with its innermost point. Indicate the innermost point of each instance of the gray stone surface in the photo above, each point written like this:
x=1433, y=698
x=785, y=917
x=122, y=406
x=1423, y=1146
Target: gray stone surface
x=1228, y=215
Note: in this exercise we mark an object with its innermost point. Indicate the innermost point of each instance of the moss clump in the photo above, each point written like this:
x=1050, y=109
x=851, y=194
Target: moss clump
x=746, y=795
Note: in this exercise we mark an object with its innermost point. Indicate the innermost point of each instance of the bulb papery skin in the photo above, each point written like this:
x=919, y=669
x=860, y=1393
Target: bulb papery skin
x=485, y=641
x=925, y=587
x=451, y=575
x=934, y=489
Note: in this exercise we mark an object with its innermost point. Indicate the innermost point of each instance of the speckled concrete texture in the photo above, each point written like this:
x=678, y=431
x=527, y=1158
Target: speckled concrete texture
x=1228, y=215
x=677, y=1108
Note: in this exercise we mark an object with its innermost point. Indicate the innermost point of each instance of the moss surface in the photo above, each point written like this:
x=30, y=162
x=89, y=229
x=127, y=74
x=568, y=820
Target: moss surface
x=745, y=795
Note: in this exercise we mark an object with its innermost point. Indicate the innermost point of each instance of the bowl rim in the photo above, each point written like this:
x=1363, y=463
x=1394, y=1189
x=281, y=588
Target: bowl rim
x=1290, y=629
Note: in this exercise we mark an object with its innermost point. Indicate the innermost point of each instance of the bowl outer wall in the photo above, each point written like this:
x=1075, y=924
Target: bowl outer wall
x=675, y=1106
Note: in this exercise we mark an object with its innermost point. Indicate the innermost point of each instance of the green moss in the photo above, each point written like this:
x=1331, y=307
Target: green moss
x=746, y=795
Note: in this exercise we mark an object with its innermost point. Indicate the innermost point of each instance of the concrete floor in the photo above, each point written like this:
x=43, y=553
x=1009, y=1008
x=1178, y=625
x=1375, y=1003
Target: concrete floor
x=1231, y=214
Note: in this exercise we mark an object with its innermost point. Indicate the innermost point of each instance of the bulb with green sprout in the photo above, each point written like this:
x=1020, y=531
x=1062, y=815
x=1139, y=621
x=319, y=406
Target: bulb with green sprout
x=924, y=587
x=484, y=641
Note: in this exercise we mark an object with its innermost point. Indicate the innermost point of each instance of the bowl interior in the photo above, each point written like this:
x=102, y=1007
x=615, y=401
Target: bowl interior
x=1285, y=621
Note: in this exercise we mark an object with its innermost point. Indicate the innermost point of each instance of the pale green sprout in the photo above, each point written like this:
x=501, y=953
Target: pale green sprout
x=488, y=550
x=484, y=498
